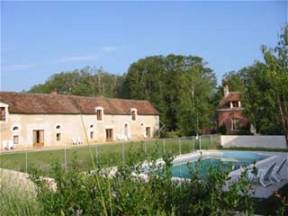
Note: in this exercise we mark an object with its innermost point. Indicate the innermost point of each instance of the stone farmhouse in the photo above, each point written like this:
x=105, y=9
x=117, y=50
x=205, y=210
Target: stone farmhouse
x=49, y=120
x=230, y=112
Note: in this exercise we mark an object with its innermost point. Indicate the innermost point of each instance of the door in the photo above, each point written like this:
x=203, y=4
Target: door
x=38, y=138
x=109, y=134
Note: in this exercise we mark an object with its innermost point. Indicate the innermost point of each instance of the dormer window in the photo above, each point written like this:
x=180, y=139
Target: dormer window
x=235, y=104
x=99, y=113
x=133, y=114
x=2, y=114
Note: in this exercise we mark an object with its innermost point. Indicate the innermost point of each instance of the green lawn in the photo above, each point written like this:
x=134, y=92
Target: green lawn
x=104, y=154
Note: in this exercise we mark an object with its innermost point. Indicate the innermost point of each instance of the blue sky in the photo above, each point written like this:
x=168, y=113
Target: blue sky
x=42, y=38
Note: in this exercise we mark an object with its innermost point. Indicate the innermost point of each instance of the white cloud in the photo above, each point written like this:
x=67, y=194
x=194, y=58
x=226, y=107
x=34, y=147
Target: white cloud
x=79, y=58
x=109, y=49
x=17, y=67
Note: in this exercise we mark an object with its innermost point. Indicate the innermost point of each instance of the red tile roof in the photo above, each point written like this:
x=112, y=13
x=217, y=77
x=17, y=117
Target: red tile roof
x=232, y=96
x=28, y=103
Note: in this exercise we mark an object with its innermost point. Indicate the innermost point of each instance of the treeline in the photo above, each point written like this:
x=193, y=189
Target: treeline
x=184, y=90
x=88, y=81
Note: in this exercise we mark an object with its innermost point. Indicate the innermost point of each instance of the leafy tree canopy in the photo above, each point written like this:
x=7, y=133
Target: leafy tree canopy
x=88, y=81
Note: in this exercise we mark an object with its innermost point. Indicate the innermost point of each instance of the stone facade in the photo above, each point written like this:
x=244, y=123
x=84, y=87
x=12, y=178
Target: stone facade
x=36, y=130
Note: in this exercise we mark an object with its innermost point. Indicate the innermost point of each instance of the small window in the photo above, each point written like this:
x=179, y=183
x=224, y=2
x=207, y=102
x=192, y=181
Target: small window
x=235, y=104
x=126, y=130
x=91, y=135
x=2, y=114
x=58, y=127
x=58, y=137
x=133, y=113
x=99, y=114
x=91, y=126
x=15, y=139
x=15, y=128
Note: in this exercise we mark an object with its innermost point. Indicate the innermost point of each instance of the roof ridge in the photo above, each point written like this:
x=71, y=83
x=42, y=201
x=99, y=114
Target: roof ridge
x=71, y=95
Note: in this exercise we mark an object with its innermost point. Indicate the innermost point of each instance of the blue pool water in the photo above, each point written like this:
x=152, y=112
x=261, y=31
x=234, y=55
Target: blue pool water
x=226, y=160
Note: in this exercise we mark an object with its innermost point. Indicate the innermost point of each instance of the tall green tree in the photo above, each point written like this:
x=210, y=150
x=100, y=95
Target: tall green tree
x=276, y=62
x=181, y=88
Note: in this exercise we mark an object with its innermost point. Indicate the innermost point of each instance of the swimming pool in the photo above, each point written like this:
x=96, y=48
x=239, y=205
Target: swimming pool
x=220, y=159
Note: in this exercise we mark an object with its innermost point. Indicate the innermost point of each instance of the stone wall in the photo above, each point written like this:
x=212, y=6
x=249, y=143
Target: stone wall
x=75, y=127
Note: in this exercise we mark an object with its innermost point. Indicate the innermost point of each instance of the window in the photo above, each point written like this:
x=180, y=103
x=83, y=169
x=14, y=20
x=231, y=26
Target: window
x=58, y=137
x=133, y=113
x=235, y=124
x=109, y=134
x=15, y=139
x=126, y=130
x=58, y=127
x=99, y=114
x=2, y=114
x=91, y=126
x=15, y=128
x=148, y=132
x=91, y=135
x=235, y=104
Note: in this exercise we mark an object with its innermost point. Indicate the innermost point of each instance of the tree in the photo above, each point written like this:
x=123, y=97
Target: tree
x=180, y=87
x=265, y=89
x=88, y=81
x=276, y=61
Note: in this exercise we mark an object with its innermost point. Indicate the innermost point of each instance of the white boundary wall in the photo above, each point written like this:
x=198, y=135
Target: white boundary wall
x=257, y=141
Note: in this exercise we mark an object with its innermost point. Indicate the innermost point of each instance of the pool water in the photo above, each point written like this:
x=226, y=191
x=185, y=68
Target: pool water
x=226, y=160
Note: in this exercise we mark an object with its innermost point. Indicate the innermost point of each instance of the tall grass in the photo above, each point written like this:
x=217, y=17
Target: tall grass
x=17, y=196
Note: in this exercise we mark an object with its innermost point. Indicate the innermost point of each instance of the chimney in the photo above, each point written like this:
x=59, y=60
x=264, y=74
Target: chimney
x=226, y=90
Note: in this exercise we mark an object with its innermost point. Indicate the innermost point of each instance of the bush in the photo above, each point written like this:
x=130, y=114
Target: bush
x=222, y=130
x=93, y=193
x=171, y=134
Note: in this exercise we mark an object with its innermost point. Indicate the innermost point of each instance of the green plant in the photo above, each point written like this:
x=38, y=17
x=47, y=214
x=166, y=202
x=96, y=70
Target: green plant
x=125, y=193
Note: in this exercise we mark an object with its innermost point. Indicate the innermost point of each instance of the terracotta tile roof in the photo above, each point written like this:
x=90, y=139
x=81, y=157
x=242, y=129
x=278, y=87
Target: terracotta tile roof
x=28, y=103
x=232, y=96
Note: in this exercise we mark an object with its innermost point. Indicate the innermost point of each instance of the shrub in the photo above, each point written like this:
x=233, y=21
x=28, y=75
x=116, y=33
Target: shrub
x=94, y=193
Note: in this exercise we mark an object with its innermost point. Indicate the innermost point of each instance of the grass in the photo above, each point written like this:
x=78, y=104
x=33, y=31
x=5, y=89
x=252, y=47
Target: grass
x=17, y=196
x=104, y=154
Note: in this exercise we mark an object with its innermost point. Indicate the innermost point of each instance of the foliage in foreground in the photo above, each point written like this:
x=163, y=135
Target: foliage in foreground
x=15, y=198
x=95, y=193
